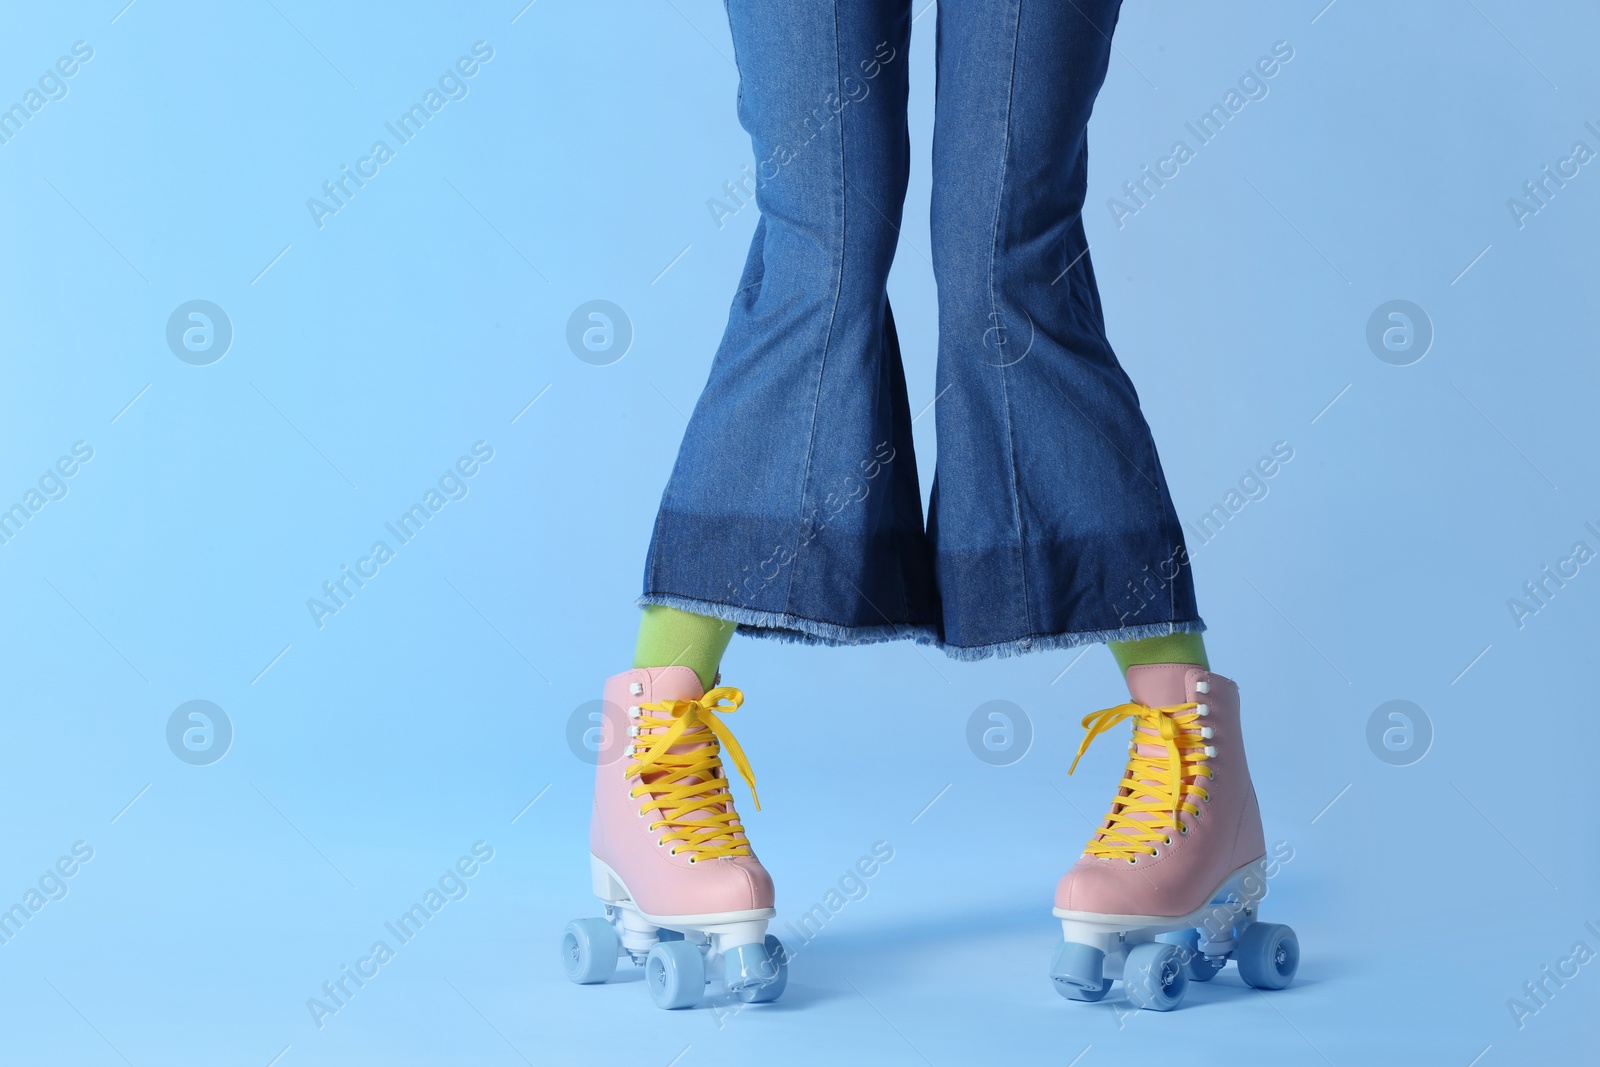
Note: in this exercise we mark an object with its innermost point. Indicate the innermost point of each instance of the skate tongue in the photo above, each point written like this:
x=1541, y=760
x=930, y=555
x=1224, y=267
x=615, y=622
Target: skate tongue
x=1159, y=685
x=695, y=739
x=698, y=719
x=672, y=686
x=1154, y=802
x=672, y=683
x=1155, y=749
x=683, y=754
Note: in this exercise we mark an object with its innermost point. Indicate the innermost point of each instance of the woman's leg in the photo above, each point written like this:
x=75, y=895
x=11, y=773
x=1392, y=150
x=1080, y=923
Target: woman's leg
x=1052, y=520
x=794, y=508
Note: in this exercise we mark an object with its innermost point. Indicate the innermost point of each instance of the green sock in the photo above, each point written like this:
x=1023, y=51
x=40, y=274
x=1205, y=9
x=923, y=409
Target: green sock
x=669, y=637
x=1168, y=648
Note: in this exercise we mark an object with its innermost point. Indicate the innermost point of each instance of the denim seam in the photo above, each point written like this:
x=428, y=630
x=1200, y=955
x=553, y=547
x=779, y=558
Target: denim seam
x=994, y=242
x=1172, y=586
x=833, y=315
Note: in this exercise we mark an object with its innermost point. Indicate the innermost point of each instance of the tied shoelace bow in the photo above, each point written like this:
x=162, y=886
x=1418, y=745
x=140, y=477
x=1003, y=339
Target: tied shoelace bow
x=1124, y=834
x=684, y=783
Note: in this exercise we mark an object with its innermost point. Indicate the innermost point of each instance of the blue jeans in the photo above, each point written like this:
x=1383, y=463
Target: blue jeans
x=794, y=507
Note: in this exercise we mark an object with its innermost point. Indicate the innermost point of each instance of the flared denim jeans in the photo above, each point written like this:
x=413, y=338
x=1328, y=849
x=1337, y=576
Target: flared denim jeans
x=794, y=507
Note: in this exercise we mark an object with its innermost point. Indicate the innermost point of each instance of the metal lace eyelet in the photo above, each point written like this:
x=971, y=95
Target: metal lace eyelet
x=1183, y=828
x=1132, y=859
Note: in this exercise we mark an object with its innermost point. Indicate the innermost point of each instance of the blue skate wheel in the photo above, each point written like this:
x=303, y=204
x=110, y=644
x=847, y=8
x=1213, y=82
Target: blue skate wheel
x=1198, y=966
x=1153, y=977
x=1268, y=955
x=676, y=974
x=589, y=949
x=1077, y=972
x=756, y=974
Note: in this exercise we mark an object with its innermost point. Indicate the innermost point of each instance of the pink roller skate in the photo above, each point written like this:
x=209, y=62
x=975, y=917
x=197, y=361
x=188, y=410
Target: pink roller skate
x=684, y=894
x=1168, y=888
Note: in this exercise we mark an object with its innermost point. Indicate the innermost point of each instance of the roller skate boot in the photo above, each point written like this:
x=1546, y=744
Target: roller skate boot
x=684, y=895
x=1168, y=889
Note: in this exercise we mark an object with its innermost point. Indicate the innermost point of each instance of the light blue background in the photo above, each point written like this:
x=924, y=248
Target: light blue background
x=426, y=715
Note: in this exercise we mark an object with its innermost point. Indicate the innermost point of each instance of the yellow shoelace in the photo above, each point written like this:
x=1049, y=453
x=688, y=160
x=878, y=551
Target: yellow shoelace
x=688, y=782
x=1123, y=834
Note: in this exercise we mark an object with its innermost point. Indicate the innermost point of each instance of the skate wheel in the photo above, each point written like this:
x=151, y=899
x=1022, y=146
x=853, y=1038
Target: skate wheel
x=676, y=974
x=1268, y=955
x=757, y=974
x=1077, y=972
x=1153, y=976
x=1196, y=964
x=589, y=949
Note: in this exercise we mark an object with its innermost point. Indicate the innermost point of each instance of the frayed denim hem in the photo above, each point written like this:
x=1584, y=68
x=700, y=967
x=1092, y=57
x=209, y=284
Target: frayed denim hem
x=1048, y=642
x=799, y=630
x=794, y=628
